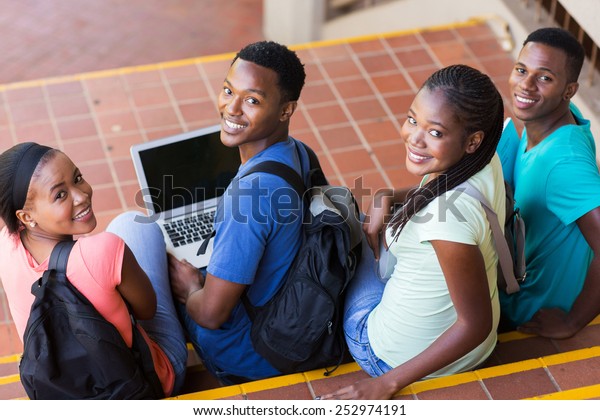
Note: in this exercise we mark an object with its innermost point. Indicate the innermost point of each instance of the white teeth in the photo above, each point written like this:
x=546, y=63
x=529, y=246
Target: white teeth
x=524, y=100
x=417, y=157
x=82, y=214
x=233, y=125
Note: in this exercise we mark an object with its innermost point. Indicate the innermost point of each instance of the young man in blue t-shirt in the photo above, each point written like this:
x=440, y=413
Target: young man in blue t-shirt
x=557, y=188
x=258, y=223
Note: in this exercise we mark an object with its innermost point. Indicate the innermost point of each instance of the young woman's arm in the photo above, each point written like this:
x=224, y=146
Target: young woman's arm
x=464, y=269
x=136, y=288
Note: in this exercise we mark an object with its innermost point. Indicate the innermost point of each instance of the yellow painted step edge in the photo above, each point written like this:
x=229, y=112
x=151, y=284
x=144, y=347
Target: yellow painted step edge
x=509, y=368
x=583, y=393
x=426, y=385
x=515, y=335
x=502, y=370
x=437, y=383
x=266, y=384
x=13, y=358
x=572, y=356
x=10, y=379
x=417, y=387
x=315, y=375
x=211, y=394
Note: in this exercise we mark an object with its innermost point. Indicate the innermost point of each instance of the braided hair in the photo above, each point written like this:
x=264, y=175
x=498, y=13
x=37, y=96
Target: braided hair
x=477, y=106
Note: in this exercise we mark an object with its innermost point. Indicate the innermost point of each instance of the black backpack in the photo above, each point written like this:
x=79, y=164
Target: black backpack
x=72, y=352
x=300, y=328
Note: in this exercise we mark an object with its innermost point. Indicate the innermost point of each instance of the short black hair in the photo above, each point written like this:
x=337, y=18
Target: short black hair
x=281, y=60
x=565, y=41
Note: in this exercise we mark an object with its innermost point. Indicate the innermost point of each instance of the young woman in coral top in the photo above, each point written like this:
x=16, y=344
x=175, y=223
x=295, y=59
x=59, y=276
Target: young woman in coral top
x=44, y=199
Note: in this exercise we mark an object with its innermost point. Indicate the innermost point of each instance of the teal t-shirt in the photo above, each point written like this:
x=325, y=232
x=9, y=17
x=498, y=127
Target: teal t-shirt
x=556, y=183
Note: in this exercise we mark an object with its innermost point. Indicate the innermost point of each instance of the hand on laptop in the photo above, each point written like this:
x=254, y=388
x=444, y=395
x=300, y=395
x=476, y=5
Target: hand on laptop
x=185, y=278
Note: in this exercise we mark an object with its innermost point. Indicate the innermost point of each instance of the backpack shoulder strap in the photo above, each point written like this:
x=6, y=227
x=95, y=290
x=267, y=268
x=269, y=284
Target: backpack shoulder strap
x=316, y=175
x=295, y=181
x=504, y=256
x=60, y=256
x=56, y=265
x=271, y=167
x=281, y=170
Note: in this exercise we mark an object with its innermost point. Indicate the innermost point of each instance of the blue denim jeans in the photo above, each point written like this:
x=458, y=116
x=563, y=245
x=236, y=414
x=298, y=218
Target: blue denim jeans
x=364, y=294
x=148, y=246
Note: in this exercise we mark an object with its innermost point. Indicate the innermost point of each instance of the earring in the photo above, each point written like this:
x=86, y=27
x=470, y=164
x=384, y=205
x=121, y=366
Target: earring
x=32, y=224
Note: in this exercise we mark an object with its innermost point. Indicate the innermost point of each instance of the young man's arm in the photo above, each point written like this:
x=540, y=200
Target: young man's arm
x=212, y=305
x=556, y=323
x=209, y=301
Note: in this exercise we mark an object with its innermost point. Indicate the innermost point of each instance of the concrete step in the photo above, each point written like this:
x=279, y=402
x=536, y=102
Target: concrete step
x=521, y=367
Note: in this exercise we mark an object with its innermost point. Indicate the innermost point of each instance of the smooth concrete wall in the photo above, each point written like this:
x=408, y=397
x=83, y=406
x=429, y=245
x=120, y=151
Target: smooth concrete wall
x=587, y=14
x=293, y=21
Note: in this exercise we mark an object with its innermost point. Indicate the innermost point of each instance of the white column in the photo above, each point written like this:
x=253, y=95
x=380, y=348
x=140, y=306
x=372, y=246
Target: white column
x=293, y=21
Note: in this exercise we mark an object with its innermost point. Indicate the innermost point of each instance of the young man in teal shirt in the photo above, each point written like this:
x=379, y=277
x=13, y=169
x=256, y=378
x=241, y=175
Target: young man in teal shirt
x=557, y=188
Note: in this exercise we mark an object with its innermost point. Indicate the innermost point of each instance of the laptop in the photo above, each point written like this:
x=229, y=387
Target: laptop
x=182, y=178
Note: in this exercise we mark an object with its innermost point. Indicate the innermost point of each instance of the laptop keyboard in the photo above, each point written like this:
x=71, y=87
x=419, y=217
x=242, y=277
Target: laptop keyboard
x=190, y=229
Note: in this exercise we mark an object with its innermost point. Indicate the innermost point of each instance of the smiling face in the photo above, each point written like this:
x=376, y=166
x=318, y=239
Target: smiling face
x=434, y=138
x=59, y=202
x=538, y=83
x=253, y=114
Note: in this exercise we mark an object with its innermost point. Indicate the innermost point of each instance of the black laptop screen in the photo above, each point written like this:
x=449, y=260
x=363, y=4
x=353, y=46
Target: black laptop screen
x=188, y=171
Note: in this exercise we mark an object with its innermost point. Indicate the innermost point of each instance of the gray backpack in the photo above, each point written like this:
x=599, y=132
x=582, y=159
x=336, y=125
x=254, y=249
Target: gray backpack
x=511, y=245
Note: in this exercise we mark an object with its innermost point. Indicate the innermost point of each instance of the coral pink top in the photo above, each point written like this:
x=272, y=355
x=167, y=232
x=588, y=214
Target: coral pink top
x=94, y=268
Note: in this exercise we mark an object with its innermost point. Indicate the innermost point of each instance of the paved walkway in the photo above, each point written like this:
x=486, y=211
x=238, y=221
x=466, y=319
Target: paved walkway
x=45, y=38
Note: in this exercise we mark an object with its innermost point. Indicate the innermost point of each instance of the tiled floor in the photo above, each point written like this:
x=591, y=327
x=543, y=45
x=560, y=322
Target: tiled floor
x=357, y=93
